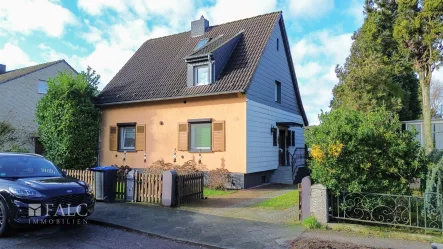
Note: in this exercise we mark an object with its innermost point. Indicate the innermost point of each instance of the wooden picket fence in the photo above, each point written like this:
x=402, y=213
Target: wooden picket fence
x=189, y=187
x=83, y=175
x=148, y=187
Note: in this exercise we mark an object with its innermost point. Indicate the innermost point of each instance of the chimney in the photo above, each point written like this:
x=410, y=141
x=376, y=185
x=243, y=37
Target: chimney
x=198, y=27
x=2, y=68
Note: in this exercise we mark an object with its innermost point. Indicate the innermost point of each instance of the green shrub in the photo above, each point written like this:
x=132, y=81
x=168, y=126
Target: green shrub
x=17, y=149
x=363, y=152
x=311, y=223
x=69, y=122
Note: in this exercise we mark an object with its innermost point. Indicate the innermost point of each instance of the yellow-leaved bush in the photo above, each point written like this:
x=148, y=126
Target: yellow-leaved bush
x=363, y=152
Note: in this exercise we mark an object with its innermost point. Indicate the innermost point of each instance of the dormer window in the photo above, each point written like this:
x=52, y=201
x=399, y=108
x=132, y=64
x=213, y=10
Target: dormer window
x=201, y=75
x=201, y=43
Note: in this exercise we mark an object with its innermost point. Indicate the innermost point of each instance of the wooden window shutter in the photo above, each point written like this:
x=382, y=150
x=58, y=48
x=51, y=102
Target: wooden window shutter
x=140, y=137
x=218, y=136
x=113, y=138
x=182, y=137
x=293, y=138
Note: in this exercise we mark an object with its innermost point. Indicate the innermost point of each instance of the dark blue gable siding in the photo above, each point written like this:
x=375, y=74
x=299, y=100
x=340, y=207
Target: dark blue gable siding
x=273, y=65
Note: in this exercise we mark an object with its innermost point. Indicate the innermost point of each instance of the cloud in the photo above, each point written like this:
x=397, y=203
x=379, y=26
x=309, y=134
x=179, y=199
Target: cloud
x=310, y=8
x=230, y=10
x=173, y=12
x=16, y=57
x=315, y=57
x=356, y=11
x=96, y=7
x=438, y=75
x=26, y=16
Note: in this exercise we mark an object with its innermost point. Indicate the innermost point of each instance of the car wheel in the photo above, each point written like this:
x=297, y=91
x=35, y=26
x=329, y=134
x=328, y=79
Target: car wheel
x=4, y=225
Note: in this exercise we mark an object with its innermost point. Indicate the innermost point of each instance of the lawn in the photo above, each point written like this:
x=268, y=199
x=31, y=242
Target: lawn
x=281, y=202
x=214, y=192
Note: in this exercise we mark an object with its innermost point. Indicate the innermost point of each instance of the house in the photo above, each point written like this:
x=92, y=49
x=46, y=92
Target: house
x=20, y=90
x=224, y=95
x=437, y=131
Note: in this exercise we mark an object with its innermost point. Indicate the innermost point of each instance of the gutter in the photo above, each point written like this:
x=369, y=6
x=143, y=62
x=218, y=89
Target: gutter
x=170, y=98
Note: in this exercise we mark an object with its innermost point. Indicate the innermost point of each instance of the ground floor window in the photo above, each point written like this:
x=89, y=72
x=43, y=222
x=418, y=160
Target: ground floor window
x=127, y=137
x=200, y=134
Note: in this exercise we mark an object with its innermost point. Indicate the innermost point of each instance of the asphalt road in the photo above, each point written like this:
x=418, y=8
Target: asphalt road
x=85, y=237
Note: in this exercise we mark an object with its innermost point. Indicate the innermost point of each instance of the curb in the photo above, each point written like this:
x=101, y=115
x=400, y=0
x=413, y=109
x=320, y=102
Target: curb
x=133, y=230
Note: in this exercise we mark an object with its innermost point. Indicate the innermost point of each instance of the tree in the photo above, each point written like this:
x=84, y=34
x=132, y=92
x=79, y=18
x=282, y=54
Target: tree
x=419, y=30
x=436, y=99
x=356, y=151
x=93, y=78
x=374, y=74
x=69, y=122
x=7, y=134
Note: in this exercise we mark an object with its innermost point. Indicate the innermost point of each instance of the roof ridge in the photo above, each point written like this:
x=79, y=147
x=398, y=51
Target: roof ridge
x=33, y=68
x=270, y=13
x=247, y=18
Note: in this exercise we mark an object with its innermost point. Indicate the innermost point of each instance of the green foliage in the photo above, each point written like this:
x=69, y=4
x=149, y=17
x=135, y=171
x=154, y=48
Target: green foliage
x=311, y=223
x=7, y=134
x=93, y=79
x=375, y=74
x=418, y=29
x=17, y=149
x=69, y=122
x=363, y=152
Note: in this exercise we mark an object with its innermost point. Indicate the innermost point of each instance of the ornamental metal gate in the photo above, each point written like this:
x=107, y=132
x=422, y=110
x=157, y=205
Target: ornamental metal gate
x=424, y=212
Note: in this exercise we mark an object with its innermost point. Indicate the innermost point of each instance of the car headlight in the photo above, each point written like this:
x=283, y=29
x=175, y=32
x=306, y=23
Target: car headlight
x=89, y=187
x=24, y=192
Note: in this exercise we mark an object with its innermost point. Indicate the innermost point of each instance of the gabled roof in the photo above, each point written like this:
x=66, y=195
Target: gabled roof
x=157, y=70
x=17, y=73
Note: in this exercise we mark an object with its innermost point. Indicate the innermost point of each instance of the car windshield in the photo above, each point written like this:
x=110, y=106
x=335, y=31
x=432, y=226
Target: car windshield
x=27, y=166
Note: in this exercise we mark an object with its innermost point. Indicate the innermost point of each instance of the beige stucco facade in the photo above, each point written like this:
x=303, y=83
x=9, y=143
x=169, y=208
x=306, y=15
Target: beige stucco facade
x=162, y=118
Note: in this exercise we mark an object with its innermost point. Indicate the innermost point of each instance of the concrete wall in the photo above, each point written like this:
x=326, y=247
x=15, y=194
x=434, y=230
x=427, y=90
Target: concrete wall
x=161, y=140
x=18, y=102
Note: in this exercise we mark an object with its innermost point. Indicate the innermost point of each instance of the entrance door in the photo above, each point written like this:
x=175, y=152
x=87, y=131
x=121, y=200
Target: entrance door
x=282, y=147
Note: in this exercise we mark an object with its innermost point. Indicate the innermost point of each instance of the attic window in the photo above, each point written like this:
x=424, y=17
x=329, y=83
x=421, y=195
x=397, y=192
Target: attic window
x=201, y=43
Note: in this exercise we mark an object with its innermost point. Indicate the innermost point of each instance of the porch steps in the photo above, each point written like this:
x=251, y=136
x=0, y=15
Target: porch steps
x=283, y=175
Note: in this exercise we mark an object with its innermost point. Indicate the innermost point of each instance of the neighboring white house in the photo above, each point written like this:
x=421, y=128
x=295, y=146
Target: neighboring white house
x=20, y=90
x=437, y=131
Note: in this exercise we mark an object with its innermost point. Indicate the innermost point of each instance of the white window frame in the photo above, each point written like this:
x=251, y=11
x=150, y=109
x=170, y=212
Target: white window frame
x=191, y=138
x=122, y=136
x=196, y=68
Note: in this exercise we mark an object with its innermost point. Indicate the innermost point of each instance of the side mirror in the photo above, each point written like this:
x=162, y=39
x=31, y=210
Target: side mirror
x=64, y=173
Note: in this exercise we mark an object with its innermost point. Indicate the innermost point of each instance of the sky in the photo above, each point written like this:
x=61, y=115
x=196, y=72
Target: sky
x=104, y=34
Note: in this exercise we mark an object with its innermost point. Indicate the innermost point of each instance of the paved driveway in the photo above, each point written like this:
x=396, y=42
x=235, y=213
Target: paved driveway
x=86, y=237
x=241, y=205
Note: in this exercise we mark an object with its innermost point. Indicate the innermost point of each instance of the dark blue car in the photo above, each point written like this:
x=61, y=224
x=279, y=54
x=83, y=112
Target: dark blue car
x=35, y=191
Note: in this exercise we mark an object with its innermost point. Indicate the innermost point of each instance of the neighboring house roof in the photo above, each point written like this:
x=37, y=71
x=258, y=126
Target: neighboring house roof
x=421, y=120
x=17, y=73
x=157, y=70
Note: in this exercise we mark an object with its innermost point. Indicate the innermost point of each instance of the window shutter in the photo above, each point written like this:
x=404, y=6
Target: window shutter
x=218, y=136
x=182, y=137
x=113, y=138
x=288, y=138
x=274, y=137
x=140, y=137
x=293, y=138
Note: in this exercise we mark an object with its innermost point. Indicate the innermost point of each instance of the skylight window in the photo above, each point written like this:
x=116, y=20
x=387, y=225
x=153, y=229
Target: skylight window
x=201, y=43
